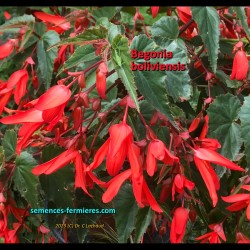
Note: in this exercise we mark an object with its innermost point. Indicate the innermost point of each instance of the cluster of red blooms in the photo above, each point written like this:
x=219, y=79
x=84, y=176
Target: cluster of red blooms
x=46, y=114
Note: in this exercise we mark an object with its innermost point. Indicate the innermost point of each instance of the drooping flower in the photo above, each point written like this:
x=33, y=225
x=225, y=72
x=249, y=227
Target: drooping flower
x=53, y=22
x=115, y=149
x=240, y=201
x=240, y=66
x=178, y=225
x=48, y=108
x=202, y=159
x=43, y=230
x=154, y=10
x=214, y=236
x=7, y=48
x=101, y=74
x=83, y=177
x=180, y=182
x=158, y=151
x=146, y=199
x=141, y=191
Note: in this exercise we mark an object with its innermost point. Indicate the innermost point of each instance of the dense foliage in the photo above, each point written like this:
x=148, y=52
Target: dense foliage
x=145, y=110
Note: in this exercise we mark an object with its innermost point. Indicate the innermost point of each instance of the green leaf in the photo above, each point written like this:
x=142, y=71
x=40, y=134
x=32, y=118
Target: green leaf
x=143, y=220
x=104, y=12
x=16, y=23
x=223, y=114
x=167, y=28
x=82, y=54
x=121, y=60
x=57, y=186
x=24, y=181
x=245, y=126
x=151, y=83
x=126, y=210
x=9, y=143
x=93, y=33
x=113, y=30
x=226, y=79
x=46, y=58
x=241, y=14
x=177, y=82
x=208, y=22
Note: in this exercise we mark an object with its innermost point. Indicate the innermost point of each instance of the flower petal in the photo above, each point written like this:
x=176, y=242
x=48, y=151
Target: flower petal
x=55, y=163
x=6, y=49
x=150, y=198
x=120, y=135
x=55, y=96
x=248, y=211
x=246, y=187
x=99, y=155
x=25, y=133
x=32, y=115
x=214, y=157
x=236, y=197
x=239, y=205
x=114, y=186
x=201, y=165
x=80, y=180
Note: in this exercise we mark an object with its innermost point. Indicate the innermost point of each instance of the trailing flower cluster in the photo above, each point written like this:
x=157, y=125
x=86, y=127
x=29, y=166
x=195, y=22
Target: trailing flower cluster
x=159, y=173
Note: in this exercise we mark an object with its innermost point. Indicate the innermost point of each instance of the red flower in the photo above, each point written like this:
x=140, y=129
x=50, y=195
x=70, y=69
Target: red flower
x=141, y=191
x=115, y=149
x=178, y=225
x=240, y=66
x=56, y=163
x=44, y=230
x=180, y=181
x=146, y=198
x=4, y=98
x=154, y=10
x=240, y=201
x=241, y=238
x=209, y=177
x=213, y=237
x=158, y=150
x=48, y=108
x=56, y=23
x=83, y=178
x=7, y=15
x=7, y=48
x=101, y=74
x=184, y=13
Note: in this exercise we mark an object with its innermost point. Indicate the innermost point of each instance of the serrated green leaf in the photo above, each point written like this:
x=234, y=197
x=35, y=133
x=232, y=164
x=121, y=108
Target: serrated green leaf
x=143, y=220
x=24, y=181
x=9, y=143
x=245, y=126
x=113, y=30
x=107, y=12
x=177, y=82
x=166, y=27
x=46, y=58
x=17, y=22
x=93, y=33
x=208, y=22
x=151, y=83
x=82, y=54
x=223, y=114
x=126, y=210
x=226, y=79
x=241, y=14
x=57, y=186
x=121, y=60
